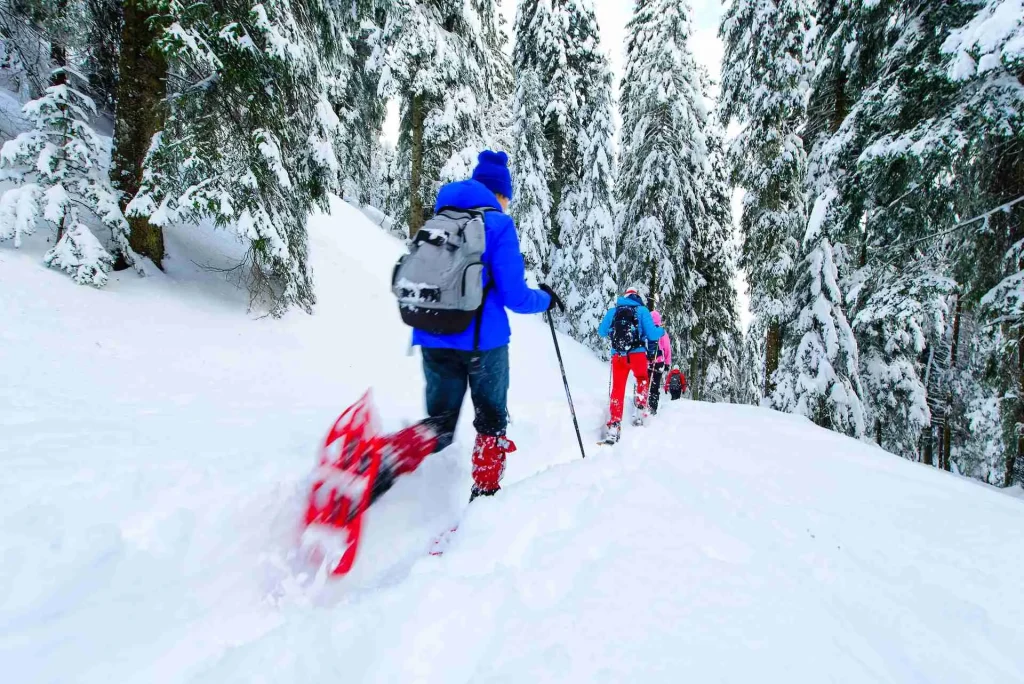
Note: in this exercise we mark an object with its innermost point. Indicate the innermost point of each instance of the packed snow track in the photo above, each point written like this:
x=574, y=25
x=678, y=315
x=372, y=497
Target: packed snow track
x=156, y=441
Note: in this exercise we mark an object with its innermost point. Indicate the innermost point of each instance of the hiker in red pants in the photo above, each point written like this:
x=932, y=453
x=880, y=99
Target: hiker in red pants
x=630, y=327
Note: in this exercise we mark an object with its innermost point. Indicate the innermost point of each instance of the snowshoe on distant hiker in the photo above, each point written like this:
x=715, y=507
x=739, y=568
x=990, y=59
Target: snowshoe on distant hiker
x=612, y=433
x=639, y=418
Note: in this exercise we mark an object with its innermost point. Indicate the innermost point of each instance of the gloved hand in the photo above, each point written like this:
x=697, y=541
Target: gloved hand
x=555, y=299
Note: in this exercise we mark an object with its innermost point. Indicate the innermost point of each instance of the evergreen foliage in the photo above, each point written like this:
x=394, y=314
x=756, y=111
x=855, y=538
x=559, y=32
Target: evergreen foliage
x=664, y=170
x=56, y=171
x=764, y=83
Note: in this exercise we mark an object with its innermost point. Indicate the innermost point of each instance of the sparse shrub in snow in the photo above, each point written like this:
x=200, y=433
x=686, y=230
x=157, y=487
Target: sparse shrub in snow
x=56, y=171
x=80, y=254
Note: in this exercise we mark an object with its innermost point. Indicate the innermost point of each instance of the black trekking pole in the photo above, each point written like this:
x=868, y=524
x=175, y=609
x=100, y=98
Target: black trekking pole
x=565, y=381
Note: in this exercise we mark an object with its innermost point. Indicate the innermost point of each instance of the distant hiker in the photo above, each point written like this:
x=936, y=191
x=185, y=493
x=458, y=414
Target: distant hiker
x=662, y=360
x=675, y=385
x=630, y=327
x=465, y=347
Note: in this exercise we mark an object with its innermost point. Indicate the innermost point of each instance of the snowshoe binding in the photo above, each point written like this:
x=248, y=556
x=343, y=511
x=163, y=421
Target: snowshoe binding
x=611, y=434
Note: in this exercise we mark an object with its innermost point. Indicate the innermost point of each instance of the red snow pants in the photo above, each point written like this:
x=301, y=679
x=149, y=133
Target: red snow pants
x=622, y=366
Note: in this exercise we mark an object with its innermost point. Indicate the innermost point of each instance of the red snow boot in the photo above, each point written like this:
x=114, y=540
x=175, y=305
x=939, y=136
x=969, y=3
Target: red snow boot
x=489, y=463
x=401, y=453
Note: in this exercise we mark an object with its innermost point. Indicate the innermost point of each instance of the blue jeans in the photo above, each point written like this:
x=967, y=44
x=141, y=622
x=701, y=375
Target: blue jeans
x=448, y=372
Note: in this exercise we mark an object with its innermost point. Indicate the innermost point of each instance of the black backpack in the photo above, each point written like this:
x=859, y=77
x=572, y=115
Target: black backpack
x=675, y=383
x=625, y=334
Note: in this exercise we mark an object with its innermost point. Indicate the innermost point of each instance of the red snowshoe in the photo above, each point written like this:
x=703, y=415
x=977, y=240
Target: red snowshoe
x=343, y=486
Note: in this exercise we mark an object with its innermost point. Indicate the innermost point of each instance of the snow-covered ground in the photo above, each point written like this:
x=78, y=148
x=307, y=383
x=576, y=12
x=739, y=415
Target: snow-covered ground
x=155, y=444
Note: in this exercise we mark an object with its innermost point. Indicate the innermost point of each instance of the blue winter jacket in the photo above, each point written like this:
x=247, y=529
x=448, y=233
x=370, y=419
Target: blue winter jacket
x=647, y=327
x=503, y=270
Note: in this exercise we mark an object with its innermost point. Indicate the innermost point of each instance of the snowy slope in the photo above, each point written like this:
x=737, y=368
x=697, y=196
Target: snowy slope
x=155, y=443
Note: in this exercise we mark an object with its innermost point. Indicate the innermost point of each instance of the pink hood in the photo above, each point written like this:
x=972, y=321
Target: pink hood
x=664, y=344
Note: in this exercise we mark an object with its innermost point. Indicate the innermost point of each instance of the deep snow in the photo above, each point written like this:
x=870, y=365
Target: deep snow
x=155, y=444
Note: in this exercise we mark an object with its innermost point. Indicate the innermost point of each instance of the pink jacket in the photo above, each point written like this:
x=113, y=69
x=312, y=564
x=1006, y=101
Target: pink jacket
x=664, y=346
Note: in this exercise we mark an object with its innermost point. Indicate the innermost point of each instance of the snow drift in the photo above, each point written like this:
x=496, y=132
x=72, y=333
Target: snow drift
x=156, y=444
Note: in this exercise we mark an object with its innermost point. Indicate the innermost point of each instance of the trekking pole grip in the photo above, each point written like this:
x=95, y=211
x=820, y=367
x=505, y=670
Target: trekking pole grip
x=565, y=381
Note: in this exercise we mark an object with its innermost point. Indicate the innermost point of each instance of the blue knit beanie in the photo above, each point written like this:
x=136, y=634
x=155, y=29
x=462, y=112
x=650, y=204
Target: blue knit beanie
x=492, y=170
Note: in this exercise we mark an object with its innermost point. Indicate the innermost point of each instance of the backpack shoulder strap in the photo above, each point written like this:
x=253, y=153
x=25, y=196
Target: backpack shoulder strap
x=464, y=210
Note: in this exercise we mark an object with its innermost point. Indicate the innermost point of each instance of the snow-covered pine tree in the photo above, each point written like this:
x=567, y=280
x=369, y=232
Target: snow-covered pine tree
x=531, y=206
x=764, y=83
x=434, y=57
x=584, y=270
x=56, y=171
x=664, y=166
x=893, y=84
x=750, y=379
x=986, y=62
x=353, y=96
x=104, y=21
x=382, y=188
x=897, y=313
x=498, y=79
x=902, y=110
x=818, y=373
x=560, y=41
x=250, y=138
x=715, y=355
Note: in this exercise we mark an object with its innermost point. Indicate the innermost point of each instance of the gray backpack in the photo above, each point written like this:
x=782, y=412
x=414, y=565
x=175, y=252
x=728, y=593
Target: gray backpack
x=439, y=283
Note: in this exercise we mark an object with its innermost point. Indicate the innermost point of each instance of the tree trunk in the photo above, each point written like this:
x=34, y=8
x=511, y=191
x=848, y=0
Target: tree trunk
x=929, y=447
x=1015, y=454
x=878, y=432
x=417, y=114
x=140, y=91
x=947, y=431
x=772, y=350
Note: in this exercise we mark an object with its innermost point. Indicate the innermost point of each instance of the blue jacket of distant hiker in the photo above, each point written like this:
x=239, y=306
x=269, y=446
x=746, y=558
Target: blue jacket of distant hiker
x=648, y=330
x=503, y=270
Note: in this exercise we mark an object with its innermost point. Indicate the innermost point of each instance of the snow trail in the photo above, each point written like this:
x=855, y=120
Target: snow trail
x=156, y=449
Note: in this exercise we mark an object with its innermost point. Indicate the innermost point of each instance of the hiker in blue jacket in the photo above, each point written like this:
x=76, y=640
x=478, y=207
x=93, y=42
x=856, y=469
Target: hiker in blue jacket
x=477, y=358
x=630, y=326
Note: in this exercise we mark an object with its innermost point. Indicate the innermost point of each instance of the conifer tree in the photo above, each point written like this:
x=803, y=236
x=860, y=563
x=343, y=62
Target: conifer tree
x=249, y=139
x=985, y=54
x=353, y=96
x=531, y=206
x=764, y=80
x=585, y=268
x=818, y=373
x=750, y=380
x=715, y=355
x=56, y=172
x=664, y=166
x=436, y=59
x=560, y=41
